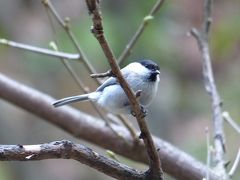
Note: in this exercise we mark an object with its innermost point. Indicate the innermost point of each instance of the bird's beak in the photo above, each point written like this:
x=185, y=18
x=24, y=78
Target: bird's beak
x=157, y=72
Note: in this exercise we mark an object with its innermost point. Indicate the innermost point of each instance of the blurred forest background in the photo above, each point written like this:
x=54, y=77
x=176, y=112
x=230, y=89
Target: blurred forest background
x=182, y=109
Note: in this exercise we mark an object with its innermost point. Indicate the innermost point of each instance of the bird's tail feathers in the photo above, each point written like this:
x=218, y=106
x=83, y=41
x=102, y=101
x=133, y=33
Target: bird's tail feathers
x=71, y=99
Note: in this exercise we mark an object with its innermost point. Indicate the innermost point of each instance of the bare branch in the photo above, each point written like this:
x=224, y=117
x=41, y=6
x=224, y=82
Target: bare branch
x=102, y=75
x=210, y=86
x=228, y=118
x=235, y=164
x=208, y=152
x=68, y=150
x=207, y=16
x=97, y=29
x=66, y=26
x=127, y=51
x=69, y=68
x=175, y=162
x=39, y=50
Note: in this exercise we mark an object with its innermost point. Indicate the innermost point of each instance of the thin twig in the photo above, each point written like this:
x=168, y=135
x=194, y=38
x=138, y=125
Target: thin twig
x=39, y=50
x=232, y=123
x=70, y=70
x=89, y=128
x=155, y=170
x=127, y=51
x=65, y=25
x=235, y=164
x=210, y=86
x=102, y=75
x=67, y=150
x=208, y=152
x=129, y=126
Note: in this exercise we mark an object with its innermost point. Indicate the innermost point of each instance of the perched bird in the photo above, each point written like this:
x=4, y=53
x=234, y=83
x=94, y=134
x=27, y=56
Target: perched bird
x=142, y=75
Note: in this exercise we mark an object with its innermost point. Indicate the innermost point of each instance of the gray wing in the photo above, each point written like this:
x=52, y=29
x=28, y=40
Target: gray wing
x=112, y=81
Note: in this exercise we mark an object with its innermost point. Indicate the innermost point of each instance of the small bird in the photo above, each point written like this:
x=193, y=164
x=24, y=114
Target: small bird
x=141, y=76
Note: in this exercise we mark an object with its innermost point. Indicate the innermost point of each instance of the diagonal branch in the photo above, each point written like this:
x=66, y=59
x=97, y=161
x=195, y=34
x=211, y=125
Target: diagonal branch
x=39, y=50
x=235, y=164
x=231, y=121
x=68, y=150
x=127, y=51
x=84, y=126
x=210, y=86
x=66, y=26
x=155, y=168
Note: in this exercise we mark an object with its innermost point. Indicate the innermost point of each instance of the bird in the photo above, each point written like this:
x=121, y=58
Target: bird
x=142, y=76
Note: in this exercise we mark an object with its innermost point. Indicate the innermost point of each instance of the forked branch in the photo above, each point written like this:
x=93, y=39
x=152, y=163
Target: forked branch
x=155, y=169
x=201, y=37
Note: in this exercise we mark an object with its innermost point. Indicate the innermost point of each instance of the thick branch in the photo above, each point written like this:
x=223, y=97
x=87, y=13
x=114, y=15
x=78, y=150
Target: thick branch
x=154, y=160
x=39, y=50
x=174, y=162
x=210, y=86
x=68, y=150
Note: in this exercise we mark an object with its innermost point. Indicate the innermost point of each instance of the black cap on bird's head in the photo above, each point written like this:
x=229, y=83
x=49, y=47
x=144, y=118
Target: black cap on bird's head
x=151, y=65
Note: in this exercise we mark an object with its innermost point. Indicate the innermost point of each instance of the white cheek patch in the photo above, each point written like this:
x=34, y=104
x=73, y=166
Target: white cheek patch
x=158, y=78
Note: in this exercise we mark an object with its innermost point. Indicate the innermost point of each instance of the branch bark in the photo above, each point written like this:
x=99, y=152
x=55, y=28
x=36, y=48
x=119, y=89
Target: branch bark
x=155, y=169
x=68, y=150
x=39, y=50
x=175, y=162
x=201, y=37
x=65, y=24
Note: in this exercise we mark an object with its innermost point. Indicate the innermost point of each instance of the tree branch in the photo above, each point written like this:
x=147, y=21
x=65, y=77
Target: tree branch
x=155, y=170
x=102, y=75
x=210, y=86
x=232, y=123
x=39, y=50
x=81, y=125
x=66, y=26
x=68, y=150
x=235, y=164
x=127, y=51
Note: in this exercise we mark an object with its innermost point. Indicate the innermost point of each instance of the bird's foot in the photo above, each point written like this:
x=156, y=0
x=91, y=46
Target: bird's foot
x=143, y=110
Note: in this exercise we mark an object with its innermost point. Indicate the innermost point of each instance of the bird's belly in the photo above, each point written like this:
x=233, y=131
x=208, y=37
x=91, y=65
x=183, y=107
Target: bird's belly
x=114, y=100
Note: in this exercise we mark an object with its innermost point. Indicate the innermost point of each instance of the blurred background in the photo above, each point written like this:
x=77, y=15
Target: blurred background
x=182, y=108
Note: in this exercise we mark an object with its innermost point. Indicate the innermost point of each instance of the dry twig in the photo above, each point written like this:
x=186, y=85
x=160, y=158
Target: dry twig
x=39, y=50
x=102, y=75
x=210, y=86
x=155, y=170
x=68, y=150
x=235, y=164
x=208, y=152
x=175, y=162
x=66, y=26
x=232, y=123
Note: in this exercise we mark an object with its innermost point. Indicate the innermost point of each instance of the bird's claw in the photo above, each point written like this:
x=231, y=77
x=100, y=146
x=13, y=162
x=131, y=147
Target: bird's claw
x=143, y=110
